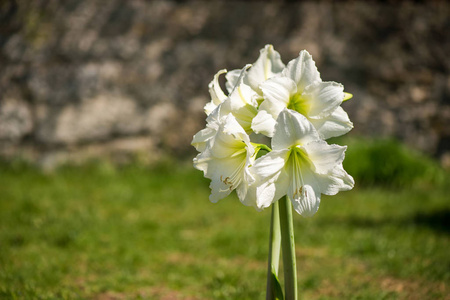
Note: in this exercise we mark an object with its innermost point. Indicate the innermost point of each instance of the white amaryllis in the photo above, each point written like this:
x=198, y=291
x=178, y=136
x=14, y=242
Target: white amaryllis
x=241, y=103
x=266, y=66
x=226, y=158
x=300, y=88
x=301, y=165
x=291, y=105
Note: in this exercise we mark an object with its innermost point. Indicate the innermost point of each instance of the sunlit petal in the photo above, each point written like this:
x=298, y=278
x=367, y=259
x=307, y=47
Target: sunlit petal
x=324, y=156
x=266, y=66
x=232, y=79
x=217, y=95
x=291, y=129
x=336, y=124
x=323, y=98
x=264, y=123
x=278, y=91
x=302, y=70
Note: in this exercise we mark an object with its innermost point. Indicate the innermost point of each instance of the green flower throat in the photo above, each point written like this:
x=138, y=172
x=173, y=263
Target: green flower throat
x=299, y=104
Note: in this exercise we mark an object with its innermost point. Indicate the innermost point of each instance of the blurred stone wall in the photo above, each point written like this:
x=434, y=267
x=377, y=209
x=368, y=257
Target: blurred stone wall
x=83, y=78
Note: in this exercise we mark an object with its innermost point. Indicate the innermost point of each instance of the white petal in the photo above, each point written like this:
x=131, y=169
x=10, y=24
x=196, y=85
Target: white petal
x=292, y=129
x=244, y=113
x=323, y=98
x=336, y=124
x=209, y=108
x=323, y=156
x=267, y=65
x=271, y=180
x=264, y=123
x=302, y=70
x=213, y=119
x=243, y=95
x=232, y=79
x=270, y=192
x=337, y=180
x=307, y=202
x=229, y=138
x=219, y=190
x=269, y=165
x=242, y=77
x=233, y=127
x=217, y=95
x=226, y=175
x=245, y=116
x=247, y=190
x=215, y=112
x=247, y=194
x=346, y=181
x=200, y=138
x=201, y=161
x=224, y=145
x=277, y=91
x=265, y=194
x=216, y=167
x=242, y=104
x=304, y=189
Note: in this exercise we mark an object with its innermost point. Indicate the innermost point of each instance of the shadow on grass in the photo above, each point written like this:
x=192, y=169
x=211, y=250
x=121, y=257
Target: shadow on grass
x=438, y=221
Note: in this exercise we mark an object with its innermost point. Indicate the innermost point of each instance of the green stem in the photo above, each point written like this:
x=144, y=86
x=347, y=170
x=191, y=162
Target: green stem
x=273, y=288
x=288, y=248
x=261, y=147
x=265, y=147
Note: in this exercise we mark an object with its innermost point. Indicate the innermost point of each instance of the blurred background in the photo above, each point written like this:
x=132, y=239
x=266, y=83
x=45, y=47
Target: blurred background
x=99, y=100
x=88, y=78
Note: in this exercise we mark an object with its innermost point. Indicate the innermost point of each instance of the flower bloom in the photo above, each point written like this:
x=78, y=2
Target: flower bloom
x=300, y=88
x=226, y=158
x=266, y=66
x=298, y=111
x=301, y=166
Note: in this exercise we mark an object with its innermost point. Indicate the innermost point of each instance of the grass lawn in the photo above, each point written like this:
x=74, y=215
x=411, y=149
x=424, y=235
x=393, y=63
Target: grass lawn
x=102, y=232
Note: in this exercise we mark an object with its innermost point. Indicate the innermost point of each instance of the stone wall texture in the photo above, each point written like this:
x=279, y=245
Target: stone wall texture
x=83, y=78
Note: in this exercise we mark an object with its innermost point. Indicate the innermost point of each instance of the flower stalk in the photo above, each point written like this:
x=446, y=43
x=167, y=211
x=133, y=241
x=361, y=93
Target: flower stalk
x=274, y=290
x=288, y=248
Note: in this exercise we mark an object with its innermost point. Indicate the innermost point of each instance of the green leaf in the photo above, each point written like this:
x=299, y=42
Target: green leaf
x=278, y=291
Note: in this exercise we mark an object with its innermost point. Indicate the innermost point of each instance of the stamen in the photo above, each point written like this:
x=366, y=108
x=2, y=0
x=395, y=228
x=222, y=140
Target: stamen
x=234, y=179
x=296, y=173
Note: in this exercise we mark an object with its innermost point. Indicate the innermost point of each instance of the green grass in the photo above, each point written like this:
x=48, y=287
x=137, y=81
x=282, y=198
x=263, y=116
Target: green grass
x=133, y=232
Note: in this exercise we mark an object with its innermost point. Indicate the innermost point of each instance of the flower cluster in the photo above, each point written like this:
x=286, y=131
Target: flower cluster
x=296, y=111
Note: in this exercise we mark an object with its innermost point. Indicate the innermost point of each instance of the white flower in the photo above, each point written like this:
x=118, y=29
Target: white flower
x=225, y=160
x=300, y=88
x=294, y=106
x=241, y=103
x=243, y=87
x=266, y=66
x=300, y=165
